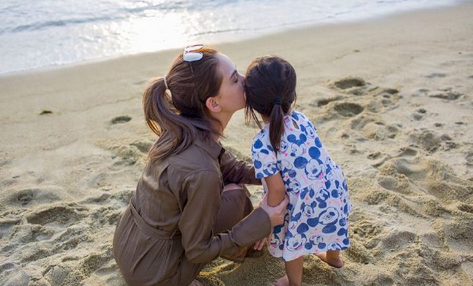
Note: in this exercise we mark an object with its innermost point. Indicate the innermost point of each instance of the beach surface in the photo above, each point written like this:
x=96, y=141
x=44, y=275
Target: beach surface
x=392, y=102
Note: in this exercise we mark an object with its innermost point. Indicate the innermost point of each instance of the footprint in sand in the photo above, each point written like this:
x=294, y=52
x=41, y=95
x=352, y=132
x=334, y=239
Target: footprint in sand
x=352, y=85
x=448, y=95
x=325, y=101
x=129, y=153
x=397, y=240
x=61, y=214
x=366, y=229
x=421, y=92
x=407, y=152
x=468, y=208
x=143, y=146
x=429, y=176
x=436, y=75
x=379, y=131
x=120, y=119
x=57, y=274
x=459, y=231
x=358, y=253
x=387, y=92
x=93, y=262
x=349, y=82
x=348, y=109
x=425, y=139
x=27, y=197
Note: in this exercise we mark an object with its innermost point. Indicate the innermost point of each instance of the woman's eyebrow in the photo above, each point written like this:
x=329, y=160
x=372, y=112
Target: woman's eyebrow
x=233, y=73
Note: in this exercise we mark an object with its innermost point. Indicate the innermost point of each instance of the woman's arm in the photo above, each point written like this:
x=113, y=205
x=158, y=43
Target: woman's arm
x=237, y=171
x=276, y=189
x=202, y=192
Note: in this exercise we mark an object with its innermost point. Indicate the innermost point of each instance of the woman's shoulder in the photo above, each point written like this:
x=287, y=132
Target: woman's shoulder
x=192, y=160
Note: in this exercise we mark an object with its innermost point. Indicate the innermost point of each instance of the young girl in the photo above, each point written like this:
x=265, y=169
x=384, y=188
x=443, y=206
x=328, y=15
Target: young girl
x=289, y=156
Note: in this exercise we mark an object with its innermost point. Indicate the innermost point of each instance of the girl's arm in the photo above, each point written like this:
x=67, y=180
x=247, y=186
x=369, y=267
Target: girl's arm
x=276, y=189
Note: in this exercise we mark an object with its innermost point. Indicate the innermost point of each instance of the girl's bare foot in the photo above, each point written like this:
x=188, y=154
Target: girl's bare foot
x=196, y=283
x=283, y=281
x=332, y=261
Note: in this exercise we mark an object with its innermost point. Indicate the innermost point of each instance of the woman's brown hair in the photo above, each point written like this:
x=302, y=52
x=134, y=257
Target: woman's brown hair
x=177, y=113
x=270, y=87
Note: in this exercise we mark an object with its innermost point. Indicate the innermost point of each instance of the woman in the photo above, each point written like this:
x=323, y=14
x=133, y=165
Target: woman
x=189, y=206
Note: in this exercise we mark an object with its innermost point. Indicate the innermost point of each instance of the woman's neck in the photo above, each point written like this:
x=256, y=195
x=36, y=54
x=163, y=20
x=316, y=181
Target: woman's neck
x=221, y=125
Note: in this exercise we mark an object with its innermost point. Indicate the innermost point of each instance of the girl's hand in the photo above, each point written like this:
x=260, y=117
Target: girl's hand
x=260, y=244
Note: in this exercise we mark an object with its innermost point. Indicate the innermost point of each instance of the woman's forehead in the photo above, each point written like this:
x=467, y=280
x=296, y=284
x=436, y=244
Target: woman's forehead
x=226, y=65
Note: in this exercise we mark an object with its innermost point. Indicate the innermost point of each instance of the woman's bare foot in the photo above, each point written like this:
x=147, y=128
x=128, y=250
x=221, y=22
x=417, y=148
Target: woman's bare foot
x=196, y=283
x=332, y=261
x=283, y=281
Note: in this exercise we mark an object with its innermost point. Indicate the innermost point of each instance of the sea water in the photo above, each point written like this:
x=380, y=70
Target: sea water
x=44, y=33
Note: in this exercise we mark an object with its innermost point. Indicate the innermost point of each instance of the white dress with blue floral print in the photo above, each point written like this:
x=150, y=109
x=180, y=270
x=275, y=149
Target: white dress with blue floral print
x=317, y=217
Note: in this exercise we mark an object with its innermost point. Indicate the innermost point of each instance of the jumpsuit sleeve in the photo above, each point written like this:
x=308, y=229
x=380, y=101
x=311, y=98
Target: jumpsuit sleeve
x=198, y=217
x=237, y=171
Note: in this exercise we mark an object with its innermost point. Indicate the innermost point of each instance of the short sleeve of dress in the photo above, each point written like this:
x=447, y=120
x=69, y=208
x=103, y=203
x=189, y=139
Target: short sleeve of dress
x=264, y=157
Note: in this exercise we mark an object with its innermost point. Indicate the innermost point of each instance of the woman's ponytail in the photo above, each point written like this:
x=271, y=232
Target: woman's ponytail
x=155, y=105
x=176, y=133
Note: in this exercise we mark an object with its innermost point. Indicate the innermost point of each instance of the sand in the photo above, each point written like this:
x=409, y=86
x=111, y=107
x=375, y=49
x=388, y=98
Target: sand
x=392, y=101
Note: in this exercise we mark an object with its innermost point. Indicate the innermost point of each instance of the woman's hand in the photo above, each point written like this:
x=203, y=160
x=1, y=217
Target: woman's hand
x=276, y=214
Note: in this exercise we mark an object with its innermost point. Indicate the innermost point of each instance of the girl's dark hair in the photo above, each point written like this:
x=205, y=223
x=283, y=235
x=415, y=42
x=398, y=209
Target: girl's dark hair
x=270, y=88
x=178, y=114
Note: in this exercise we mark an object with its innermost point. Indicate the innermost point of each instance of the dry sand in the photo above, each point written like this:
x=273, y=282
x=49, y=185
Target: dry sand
x=392, y=100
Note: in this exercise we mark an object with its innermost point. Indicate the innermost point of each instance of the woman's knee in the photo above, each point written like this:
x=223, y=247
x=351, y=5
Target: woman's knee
x=232, y=186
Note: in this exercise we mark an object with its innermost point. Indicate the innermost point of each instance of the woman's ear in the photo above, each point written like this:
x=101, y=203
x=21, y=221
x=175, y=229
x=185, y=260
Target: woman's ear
x=212, y=104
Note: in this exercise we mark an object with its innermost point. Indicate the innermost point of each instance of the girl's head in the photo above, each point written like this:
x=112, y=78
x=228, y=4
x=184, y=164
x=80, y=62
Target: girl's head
x=201, y=87
x=270, y=88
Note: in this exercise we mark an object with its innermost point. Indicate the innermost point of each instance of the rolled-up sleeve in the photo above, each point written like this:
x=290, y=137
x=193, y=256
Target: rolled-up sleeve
x=198, y=218
x=237, y=171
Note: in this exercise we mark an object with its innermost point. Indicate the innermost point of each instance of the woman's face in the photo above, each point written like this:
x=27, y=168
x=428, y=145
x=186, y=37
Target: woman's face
x=230, y=97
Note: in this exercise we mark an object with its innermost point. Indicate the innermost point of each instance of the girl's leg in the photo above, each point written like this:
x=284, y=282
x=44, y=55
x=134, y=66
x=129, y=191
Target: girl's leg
x=293, y=275
x=332, y=258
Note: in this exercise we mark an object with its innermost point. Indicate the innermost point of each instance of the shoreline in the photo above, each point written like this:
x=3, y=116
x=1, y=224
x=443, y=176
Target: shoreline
x=392, y=103
x=267, y=33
